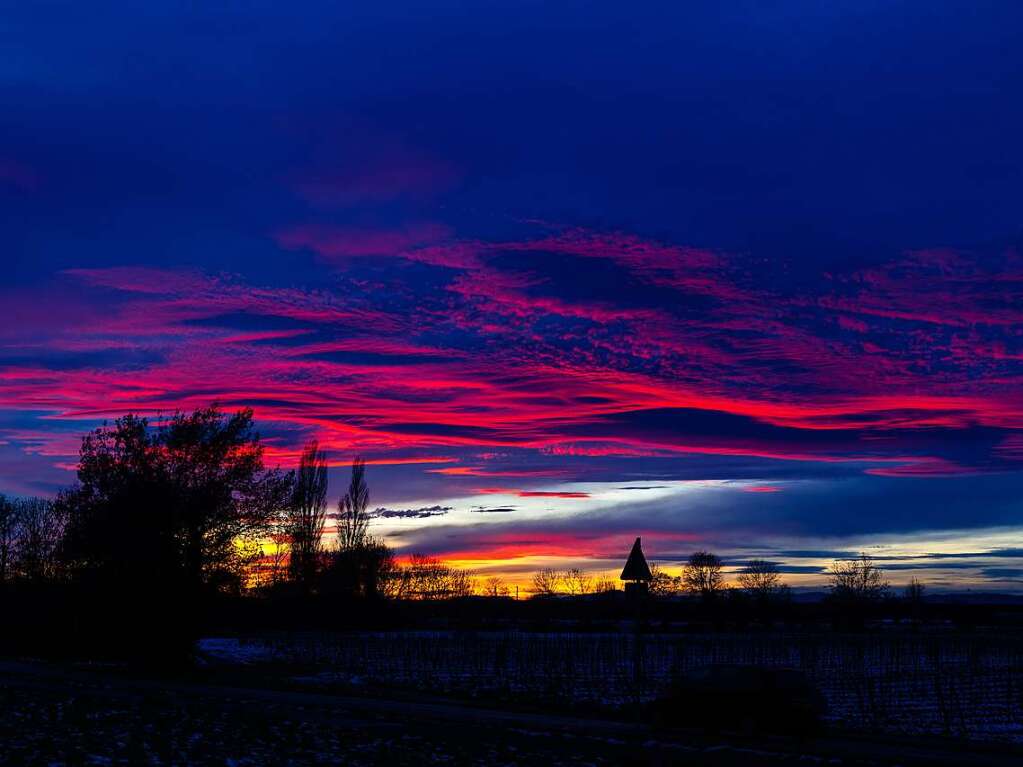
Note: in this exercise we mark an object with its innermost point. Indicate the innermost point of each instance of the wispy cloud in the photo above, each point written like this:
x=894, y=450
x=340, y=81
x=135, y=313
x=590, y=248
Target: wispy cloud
x=424, y=512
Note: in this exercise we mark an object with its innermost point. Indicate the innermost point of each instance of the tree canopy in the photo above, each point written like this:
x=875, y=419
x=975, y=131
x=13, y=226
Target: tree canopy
x=179, y=503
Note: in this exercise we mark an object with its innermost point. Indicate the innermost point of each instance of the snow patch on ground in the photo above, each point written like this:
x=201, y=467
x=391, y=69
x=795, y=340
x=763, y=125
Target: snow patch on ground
x=228, y=650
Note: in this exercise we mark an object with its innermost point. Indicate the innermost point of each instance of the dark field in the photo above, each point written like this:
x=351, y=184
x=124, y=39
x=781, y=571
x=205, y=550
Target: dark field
x=54, y=715
x=82, y=727
x=965, y=685
x=57, y=715
x=518, y=697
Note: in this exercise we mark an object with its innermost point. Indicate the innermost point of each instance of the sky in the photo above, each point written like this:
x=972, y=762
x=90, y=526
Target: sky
x=742, y=277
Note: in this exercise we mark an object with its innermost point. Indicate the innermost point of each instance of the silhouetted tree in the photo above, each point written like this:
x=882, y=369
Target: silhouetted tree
x=123, y=530
x=359, y=565
x=702, y=575
x=546, y=582
x=663, y=585
x=352, y=510
x=459, y=583
x=306, y=515
x=366, y=571
x=605, y=584
x=408, y=581
x=426, y=577
x=8, y=538
x=857, y=580
x=176, y=508
x=577, y=582
x=494, y=587
x=39, y=529
x=914, y=591
x=760, y=580
x=275, y=564
x=226, y=495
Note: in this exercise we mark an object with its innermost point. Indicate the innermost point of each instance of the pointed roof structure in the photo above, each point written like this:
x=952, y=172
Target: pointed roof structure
x=636, y=568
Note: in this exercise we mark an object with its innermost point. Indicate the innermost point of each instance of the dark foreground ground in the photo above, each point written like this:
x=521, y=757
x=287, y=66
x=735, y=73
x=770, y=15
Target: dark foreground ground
x=63, y=714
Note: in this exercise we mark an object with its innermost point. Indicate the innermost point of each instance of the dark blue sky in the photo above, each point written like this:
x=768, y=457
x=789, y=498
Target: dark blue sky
x=534, y=248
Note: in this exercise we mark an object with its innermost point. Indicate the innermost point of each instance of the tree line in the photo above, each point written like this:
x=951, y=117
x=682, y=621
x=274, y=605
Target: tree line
x=857, y=581
x=358, y=564
x=185, y=506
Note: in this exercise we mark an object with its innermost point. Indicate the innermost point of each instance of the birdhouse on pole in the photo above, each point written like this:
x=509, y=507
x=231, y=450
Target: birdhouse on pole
x=636, y=573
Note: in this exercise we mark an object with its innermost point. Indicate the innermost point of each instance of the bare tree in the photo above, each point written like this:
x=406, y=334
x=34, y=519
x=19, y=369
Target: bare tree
x=426, y=577
x=8, y=538
x=857, y=580
x=702, y=574
x=494, y=587
x=352, y=510
x=400, y=583
x=459, y=583
x=546, y=582
x=40, y=528
x=306, y=515
x=604, y=584
x=760, y=579
x=577, y=582
x=662, y=584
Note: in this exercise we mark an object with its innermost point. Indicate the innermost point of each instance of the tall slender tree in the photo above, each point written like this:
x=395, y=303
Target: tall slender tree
x=359, y=565
x=306, y=516
x=353, y=510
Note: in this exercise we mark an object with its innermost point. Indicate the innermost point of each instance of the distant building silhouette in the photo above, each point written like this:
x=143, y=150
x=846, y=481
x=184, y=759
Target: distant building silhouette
x=636, y=572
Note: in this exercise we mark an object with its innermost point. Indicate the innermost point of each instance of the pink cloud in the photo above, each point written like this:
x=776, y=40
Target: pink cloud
x=333, y=243
x=144, y=280
x=476, y=471
x=923, y=467
x=491, y=357
x=525, y=542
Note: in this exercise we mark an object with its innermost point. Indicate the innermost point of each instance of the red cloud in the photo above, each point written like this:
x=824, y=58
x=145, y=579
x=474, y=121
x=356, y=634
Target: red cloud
x=524, y=542
x=508, y=356
x=476, y=471
x=531, y=493
x=550, y=494
x=923, y=467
